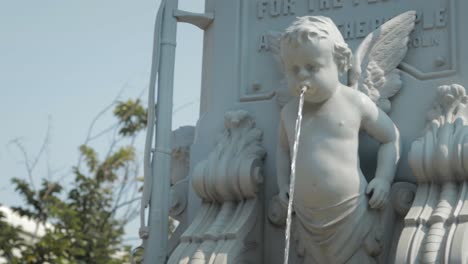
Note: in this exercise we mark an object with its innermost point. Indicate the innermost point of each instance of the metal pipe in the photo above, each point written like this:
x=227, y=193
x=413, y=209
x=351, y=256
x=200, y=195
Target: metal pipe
x=145, y=200
x=156, y=248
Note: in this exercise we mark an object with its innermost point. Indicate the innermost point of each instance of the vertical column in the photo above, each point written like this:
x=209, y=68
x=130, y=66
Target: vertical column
x=156, y=249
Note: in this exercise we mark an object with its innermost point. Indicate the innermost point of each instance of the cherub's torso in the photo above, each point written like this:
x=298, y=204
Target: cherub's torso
x=327, y=168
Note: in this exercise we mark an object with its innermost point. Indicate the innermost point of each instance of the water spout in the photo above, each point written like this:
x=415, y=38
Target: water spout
x=293, y=173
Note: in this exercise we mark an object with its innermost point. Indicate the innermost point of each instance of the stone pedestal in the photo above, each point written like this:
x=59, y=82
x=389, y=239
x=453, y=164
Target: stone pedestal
x=229, y=192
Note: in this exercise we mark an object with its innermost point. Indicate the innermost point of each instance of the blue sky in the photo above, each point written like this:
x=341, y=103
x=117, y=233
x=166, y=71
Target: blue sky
x=63, y=61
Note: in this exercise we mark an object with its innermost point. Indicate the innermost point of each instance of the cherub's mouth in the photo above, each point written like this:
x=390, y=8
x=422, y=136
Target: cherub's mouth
x=304, y=87
x=309, y=91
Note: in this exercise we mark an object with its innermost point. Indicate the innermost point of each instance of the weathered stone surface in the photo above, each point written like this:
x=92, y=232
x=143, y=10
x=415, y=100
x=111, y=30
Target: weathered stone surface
x=228, y=226
x=339, y=215
x=240, y=71
x=435, y=229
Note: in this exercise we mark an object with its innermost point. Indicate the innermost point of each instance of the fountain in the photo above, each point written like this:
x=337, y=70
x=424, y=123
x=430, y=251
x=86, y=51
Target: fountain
x=236, y=201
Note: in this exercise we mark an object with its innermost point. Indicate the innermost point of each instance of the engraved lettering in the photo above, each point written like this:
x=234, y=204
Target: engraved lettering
x=423, y=41
x=261, y=8
x=324, y=4
x=362, y=29
x=441, y=18
x=426, y=42
x=289, y=7
x=428, y=20
x=416, y=42
x=347, y=30
x=263, y=44
x=311, y=5
x=275, y=8
x=337, y=3
x=376, y=23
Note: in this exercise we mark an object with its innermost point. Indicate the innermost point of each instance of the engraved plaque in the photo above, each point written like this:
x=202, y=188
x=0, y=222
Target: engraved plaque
x=240, y=71
x=432, y=45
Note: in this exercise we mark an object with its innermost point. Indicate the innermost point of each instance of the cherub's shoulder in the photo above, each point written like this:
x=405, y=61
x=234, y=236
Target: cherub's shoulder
x=357, y=98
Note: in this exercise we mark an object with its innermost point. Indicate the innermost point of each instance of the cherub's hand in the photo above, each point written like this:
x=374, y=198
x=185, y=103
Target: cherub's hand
x=379, y=189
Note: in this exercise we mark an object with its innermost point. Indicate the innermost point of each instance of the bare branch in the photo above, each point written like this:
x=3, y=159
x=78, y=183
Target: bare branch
x=22, y=149
x=44, y=145
x=127, y=203
x=179, y=108
x=31, y=165
x=103, y=132
x=131, y=214
x=94, y=121
x=122, y=186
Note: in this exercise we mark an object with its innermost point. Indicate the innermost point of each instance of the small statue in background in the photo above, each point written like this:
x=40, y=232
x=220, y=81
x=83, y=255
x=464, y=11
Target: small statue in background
x=337, y=210
x=182, y=140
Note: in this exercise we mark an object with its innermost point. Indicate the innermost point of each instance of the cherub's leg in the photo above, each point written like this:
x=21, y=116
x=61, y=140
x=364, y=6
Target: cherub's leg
x=372, y=245
x=361, y=257
x=309, y=260
x=307, y=251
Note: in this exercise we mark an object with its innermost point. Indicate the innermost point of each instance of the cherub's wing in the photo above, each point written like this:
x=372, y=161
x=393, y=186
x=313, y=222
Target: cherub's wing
x=282, y=94
x=378, y=56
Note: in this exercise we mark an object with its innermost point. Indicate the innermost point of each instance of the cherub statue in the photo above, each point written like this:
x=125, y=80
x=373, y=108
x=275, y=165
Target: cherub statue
x=337, y=210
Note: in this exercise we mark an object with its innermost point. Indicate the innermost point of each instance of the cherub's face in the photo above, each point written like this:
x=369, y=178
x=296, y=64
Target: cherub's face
x=311, y=64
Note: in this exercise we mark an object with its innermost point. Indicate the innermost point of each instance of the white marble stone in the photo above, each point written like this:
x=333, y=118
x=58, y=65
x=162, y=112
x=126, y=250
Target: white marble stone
x=356, y=114
x=338, y=212
x=227, y=227
x=435, y=228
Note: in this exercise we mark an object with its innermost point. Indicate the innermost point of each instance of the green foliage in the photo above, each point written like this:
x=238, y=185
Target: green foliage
x=90, y=157
x=81, y=220
x=132, y=116
x=38, y=203
x=107, y=169
x=10, y=240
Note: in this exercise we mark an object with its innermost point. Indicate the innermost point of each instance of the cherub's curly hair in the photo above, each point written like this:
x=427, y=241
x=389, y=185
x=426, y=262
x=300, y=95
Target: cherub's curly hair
x=307, y=28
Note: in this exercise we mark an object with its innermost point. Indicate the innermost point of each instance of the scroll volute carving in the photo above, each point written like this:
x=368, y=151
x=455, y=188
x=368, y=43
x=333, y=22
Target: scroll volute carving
x=232, y=170
x=436, y=228
x=441, y=155
x=227, y=227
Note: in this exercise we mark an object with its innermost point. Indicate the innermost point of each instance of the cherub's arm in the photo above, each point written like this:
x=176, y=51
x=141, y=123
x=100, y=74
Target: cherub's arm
x=378, y=125
x=283, y=164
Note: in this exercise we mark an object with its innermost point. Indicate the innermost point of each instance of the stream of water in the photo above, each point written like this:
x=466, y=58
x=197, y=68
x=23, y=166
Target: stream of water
x=293, y=174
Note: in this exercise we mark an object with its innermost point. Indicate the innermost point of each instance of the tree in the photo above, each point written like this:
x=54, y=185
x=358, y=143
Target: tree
x=84, y=223
x=10, y=240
